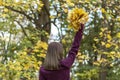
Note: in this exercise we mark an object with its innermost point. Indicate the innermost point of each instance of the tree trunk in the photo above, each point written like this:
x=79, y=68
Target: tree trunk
x=43, y=23
x=103, y=71
x=102, y=74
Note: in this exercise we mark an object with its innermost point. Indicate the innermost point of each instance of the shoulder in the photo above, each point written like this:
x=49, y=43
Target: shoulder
x=41, y=68
x=63, y=64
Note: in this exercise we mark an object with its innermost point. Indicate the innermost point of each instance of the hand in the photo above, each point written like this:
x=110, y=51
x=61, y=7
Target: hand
x=82, y=26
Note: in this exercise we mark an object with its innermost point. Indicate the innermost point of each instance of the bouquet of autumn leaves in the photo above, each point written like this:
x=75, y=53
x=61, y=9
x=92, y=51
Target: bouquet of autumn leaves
x=76, y=17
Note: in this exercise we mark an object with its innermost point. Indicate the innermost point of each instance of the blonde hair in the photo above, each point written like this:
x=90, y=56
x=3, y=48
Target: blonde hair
x=53, y=56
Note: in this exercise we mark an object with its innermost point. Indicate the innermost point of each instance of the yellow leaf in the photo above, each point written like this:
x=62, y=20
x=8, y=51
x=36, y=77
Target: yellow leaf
x=36, y=50
x=4, y=15
x=116, y=47
x=5, y=10
x=112, y=52
x=63, y=41
x=96, y=63
x=26, y=66
x=1, y=2
x=44, y=45
x=108, y=45
x=69, y=2
x=102, y=29
x=111, y=64
x=40, y=3
x=108, y=41
x=118, y=19
x=39, y=62
x=109, y=37
x=105, y=53
x=87, y=1
x=41, y=44
x=77, y=16
x=101, y=34
x=2, y=73
x=103, y=43
x=65, y=10
x=24, y=53
x=118, y=54
x=103, y=10
x=118, y=35
x=52, y=17
x=80, y=61
x=95, y=39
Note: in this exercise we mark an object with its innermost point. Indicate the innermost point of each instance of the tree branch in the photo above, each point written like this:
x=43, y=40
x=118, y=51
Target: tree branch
x=20, y=12
x=45, y=7
x=24, y=32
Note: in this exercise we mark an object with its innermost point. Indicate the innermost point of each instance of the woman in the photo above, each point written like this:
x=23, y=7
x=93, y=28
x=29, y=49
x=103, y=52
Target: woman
x=54, y=66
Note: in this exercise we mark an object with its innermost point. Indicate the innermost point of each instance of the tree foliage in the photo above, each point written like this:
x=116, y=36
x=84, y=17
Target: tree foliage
x=25, y=28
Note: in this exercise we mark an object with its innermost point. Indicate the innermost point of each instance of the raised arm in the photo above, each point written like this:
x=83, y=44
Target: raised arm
x=67, y=62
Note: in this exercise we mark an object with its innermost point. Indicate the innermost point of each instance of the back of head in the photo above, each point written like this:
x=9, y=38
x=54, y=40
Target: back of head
x=53, y=56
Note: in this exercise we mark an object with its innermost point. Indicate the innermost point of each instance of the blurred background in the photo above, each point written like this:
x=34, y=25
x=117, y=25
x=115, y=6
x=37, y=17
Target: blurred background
x=27, y=26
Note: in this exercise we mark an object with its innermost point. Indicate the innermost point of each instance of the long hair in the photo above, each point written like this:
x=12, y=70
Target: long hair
x=53, y=56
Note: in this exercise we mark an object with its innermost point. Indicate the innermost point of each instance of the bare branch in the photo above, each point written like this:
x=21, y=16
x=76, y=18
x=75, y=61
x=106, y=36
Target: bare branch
x=20, y=12
x=24, y=32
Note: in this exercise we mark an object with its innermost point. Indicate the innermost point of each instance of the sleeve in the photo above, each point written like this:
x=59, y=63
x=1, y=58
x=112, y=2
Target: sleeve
x=68, y=61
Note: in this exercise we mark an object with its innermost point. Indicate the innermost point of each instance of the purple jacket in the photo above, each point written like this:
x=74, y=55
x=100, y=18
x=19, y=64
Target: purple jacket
x=64, y=72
